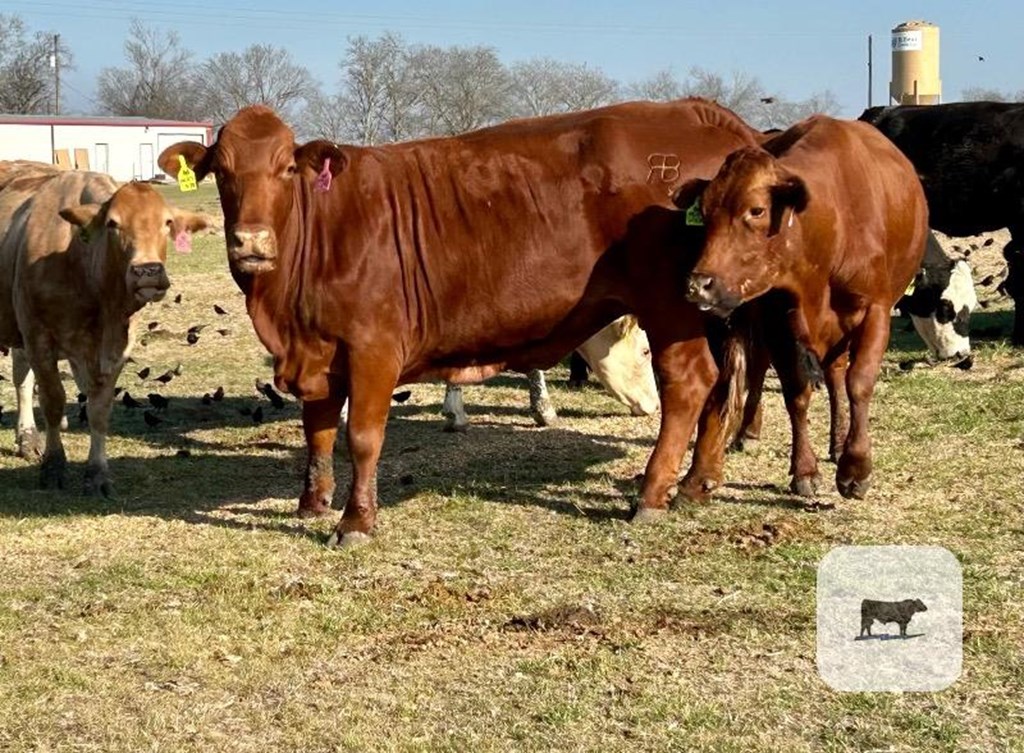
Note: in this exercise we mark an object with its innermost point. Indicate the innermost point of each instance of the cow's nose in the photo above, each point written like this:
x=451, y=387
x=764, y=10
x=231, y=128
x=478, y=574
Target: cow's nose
x=700, y=288
x=149, y=269
x=246, y=237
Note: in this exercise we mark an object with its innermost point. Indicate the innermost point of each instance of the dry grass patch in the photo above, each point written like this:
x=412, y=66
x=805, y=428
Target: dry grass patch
x=506, y=604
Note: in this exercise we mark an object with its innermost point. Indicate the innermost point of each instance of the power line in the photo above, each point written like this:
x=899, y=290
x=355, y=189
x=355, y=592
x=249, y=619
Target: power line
x=278, y=19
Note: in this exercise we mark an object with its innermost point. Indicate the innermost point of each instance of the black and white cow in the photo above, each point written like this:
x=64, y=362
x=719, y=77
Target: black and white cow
x=899, y=612
x=940, y=304
x=970, y=158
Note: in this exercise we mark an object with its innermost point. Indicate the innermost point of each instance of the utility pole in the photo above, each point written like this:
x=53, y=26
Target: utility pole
x=55, y=63
x=870, y=76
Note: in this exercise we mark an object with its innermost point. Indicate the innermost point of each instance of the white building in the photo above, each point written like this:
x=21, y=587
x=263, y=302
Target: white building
x=124, y=147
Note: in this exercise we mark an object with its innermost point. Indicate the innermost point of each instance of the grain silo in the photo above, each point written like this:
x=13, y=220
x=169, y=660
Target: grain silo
x=915, y=64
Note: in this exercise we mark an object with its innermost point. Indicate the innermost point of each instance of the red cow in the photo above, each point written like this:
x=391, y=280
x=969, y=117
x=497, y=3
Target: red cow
x=456, y=258
x=826, y=223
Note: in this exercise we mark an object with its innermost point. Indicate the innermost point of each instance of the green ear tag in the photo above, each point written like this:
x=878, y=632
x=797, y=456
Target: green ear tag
x=693, y=215
x=186, y=176
x=83, y=234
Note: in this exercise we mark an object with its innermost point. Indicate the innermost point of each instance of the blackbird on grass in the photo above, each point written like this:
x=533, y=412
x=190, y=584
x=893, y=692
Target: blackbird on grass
x=130, y=402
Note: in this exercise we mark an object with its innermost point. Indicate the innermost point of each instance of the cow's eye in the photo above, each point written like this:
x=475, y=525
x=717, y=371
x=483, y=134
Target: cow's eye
x=112, y=224
x=289, y=171
x=756, y=212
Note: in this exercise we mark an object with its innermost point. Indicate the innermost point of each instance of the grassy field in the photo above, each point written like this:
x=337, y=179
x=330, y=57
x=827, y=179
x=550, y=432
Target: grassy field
x=505, y=604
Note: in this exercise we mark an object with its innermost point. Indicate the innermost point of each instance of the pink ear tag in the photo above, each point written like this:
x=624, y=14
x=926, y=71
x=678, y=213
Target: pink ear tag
x=323, y=180
x=183, y=242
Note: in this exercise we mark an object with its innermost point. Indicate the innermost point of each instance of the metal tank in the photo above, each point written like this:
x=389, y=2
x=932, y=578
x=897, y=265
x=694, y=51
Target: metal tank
x=915, y=64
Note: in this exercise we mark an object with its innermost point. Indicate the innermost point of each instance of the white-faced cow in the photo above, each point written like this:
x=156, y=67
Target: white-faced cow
x=941, y=303
x=78, y=258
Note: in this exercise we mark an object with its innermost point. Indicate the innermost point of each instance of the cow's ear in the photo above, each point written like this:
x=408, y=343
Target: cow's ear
x=81, y=215
x=197, y=157
x=321, y=157
x=689, y=192
x=789, y=193
x=189, y=222
x=183, y=225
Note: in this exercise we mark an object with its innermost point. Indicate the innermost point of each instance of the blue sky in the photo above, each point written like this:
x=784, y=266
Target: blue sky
x=794, y=47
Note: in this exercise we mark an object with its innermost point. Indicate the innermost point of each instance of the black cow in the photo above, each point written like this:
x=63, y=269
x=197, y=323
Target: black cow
x=899, y=612
x=970, y=158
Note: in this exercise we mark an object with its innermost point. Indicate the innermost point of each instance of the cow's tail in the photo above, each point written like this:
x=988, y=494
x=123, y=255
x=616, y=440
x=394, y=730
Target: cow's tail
x=734, y=366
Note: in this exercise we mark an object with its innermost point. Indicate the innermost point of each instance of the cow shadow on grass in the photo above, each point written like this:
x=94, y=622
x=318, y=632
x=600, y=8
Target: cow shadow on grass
x=228, y=484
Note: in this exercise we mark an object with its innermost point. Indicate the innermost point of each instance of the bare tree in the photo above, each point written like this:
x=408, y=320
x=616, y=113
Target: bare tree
x=462, y=88
x=984, y=94
x=325, y=117
x=542, y=86
x=157, y=81
x=741, y=93
x=779, y=112
x=262, y=74
x=26, y=75
x=661, y=87
x=381, y=90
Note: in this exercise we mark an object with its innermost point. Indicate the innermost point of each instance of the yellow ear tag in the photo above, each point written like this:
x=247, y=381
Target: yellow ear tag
x=910, y=287
x=693, y=214
x=186, y=176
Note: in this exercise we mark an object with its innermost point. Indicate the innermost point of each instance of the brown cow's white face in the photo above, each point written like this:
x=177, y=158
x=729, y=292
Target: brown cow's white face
x=620, y=356
x=744, y=209
x=134, y=226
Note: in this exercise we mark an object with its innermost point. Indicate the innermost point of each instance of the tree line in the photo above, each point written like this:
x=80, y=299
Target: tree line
x=387, y=90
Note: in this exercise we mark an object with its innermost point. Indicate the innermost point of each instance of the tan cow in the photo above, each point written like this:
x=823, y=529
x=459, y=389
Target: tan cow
x=78, y=258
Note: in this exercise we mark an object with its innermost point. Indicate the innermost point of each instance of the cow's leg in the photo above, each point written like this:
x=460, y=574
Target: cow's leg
x=1014, y=285
x=853, y=473
x=687, y=372
x=320, y=426
x=839, y=419
x=454, y=409
x=579, y=371
x=903, y=629
x=541, y=407
x=714, y=429
x=43, y=361
x=371, y=382
x=749, y=434
x=28, y=442
x=100, y=393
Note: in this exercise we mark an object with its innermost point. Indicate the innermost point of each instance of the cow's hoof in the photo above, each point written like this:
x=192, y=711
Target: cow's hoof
x=746, y=445
x=544, y=415
x=97, y=483
x=29, y=444
x=648, y=515
x=53, y=472
x=348, y=540
x=851, y=488
x=805, y=486
x=313, y=510
x=696, y=492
